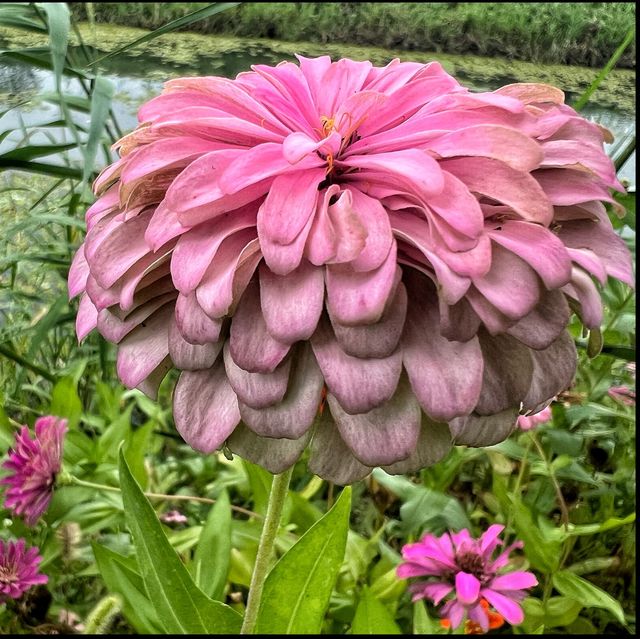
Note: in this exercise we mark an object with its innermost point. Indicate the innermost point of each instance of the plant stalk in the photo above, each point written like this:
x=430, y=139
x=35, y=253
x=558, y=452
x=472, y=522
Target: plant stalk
x=270, y=527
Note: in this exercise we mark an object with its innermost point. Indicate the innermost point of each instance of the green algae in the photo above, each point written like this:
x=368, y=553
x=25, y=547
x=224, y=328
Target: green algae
x=192, y=53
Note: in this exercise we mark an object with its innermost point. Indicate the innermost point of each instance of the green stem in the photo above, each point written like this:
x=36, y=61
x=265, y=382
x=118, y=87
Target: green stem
x=561, y=502
x=71, y=480
x=270, y=527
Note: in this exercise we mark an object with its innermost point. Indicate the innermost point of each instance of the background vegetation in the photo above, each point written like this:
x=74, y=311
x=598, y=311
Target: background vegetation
x=566, y=489
x=580, y=33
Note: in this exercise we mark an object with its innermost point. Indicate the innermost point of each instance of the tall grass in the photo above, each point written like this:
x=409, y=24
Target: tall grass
x=578, y=33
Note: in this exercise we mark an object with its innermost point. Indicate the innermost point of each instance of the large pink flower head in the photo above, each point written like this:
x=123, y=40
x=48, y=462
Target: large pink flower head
x=383, y=236
x=464, y=568
x=18, y=569
x=33, y=465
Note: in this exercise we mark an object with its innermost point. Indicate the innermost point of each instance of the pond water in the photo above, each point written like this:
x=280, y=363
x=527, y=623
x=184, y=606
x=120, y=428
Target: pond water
x=140, y=76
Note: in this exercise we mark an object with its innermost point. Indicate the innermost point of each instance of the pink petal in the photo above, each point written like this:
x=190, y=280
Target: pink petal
x=496, y=180
x=292, y=304
x=383, y=435
x=251, y=345
x=360, y=298
x=505, y=144
x=358, y=384
x=509, y=609
x=517, y=580
x=467, y=588
x=205, y=408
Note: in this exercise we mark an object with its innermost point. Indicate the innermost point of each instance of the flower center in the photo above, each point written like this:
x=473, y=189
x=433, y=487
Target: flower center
x=7, y=575
x=472, y=563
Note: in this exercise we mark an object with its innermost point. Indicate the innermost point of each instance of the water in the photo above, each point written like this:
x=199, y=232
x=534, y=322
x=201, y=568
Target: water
x=136, y=79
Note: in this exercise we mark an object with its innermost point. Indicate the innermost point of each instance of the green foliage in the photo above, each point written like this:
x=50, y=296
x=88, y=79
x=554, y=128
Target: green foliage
x=567, y=33
x=297, y=590
x=180, y=606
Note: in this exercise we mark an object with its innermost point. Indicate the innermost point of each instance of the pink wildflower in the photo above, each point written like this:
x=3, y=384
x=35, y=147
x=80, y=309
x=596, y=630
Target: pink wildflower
x=380, y=236
x=527, y=422
x=623, y=394
x=173, y=517
x=463, y=567
x=33, y=465
x=18, y=569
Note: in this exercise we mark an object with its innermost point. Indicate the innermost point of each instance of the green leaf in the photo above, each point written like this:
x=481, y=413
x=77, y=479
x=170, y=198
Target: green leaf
x=423, y=624
x=100, y=107
x=213, y=552
x=122, y=579
x=30, y=152
x=260, y=484
x=543, y=553
x=559, y=611
x=584, y=98
x=589, y=595
x=297, y=590
x=424, y=507
x=609, y=524
x=181, y=607
x=59, y=22
x=372, y=618
x=190, y=18
x=65, y=401
x=40, y=167
x=135, y=449
x=20, y=15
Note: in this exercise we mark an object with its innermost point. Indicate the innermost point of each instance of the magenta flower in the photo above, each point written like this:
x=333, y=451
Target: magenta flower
x=381, y=236
x=33, y=465
x=463, y=567
x=18, y=569
x=527, y=422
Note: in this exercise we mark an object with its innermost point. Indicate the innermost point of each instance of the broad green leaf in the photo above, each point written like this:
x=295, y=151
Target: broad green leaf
x=190, y=18
x=121, y=578
x=297, y=590
x=589, y=595
x=372, y=618
x=65, y=401
x=388, y=587
x=100, y=106
x=181, y=607
x=213, y=552
x=558, y=612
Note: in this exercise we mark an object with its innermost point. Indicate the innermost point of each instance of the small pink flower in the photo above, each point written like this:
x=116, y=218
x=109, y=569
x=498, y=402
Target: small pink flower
x=18, y=569
x=527, y=422
x=173, y=517
x=623, y=394
x=463, y=567
x=33, y=466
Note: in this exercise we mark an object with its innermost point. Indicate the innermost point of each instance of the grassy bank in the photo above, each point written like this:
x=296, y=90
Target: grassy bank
x=577, y=33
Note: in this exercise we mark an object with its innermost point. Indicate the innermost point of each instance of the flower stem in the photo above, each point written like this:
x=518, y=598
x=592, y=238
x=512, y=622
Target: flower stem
x=70, y=479
x=270, y=527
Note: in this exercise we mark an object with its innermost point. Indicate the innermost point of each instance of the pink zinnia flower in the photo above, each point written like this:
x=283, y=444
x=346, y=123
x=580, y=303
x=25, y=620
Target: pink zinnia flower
x=18, y=569
x=463, y=566
x=623, y=394
x=381, y=236
x=33, y=465
x=527, y=422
